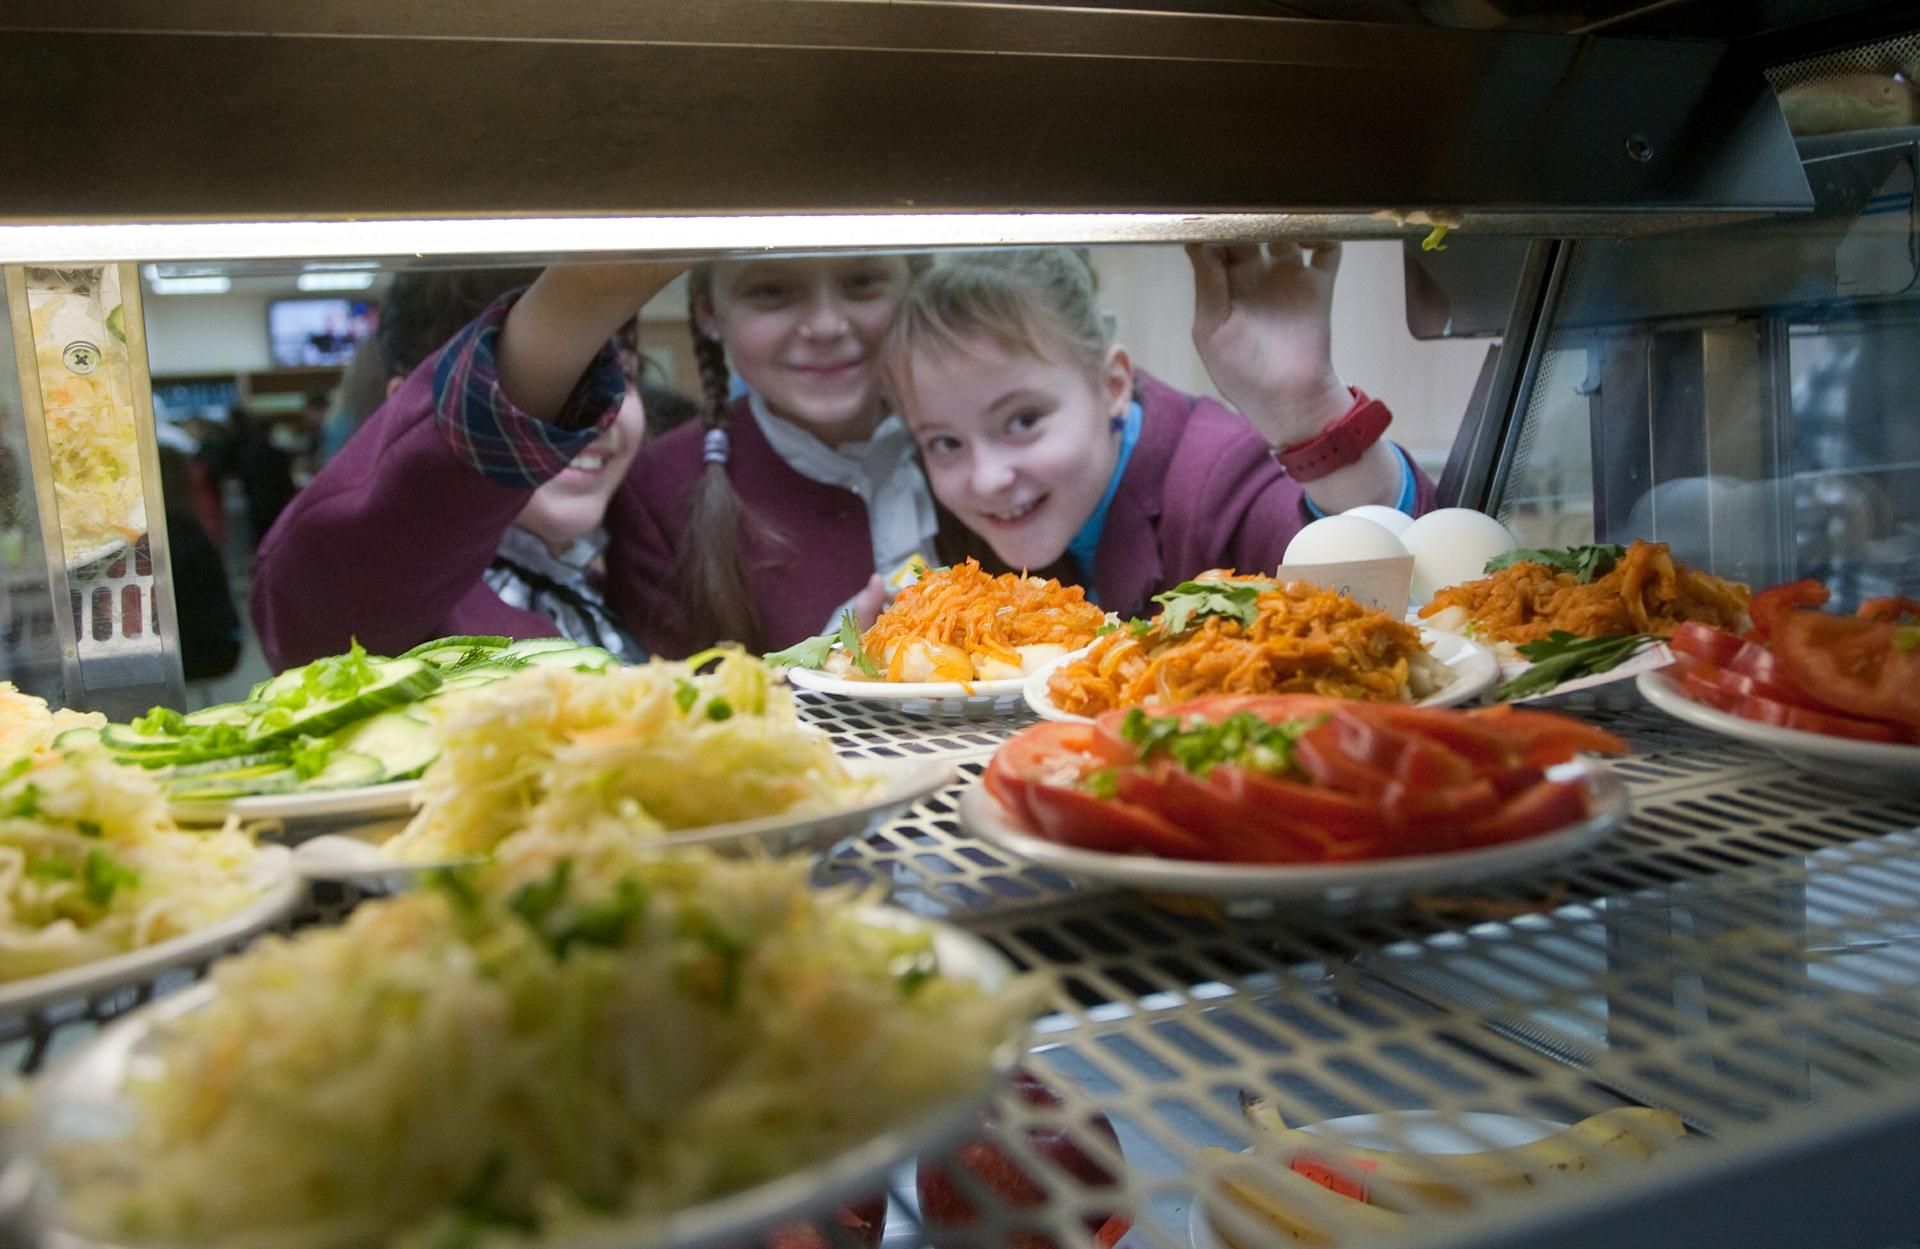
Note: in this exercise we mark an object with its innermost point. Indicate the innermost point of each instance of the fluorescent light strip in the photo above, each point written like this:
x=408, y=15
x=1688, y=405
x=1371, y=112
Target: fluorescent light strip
x=262, y=240
x=323, y=281
x=208, y=285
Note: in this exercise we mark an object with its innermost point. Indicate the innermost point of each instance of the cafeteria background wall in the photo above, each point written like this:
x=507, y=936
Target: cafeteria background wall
x=1427, y=384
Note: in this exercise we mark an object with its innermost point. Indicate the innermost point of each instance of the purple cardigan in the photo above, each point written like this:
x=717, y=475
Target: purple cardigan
x=807, y=546
x=387, y=544
x=1200, y=491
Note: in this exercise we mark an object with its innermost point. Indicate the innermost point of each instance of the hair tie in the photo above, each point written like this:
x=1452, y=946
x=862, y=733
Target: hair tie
x=714, y=449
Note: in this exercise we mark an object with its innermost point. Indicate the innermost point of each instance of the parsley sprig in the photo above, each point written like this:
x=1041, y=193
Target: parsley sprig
x=1236, y=600
x=1585, y=562
x=813, y=652
x=1563, y=656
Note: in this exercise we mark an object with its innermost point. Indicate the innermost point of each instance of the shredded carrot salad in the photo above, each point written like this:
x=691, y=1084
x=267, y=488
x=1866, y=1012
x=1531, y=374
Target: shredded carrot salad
x=1645, y=592
x=961, y=624
x=1304, y=639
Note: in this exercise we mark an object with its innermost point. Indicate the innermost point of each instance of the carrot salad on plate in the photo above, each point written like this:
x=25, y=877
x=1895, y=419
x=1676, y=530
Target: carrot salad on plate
x=1231, y=634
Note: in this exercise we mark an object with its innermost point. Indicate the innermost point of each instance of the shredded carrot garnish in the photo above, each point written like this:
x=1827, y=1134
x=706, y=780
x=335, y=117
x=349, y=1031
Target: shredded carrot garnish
x=1305, y=640
x=962, y=617
x=1645, y=592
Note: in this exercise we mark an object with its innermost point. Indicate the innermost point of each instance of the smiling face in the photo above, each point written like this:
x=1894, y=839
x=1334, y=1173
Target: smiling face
x=806, y=334
x=571, y=505
x=1020, y=447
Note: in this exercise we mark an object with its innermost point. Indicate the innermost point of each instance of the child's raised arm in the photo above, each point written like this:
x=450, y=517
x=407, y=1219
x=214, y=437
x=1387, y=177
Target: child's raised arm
x=554, y=330
x=1262, y=321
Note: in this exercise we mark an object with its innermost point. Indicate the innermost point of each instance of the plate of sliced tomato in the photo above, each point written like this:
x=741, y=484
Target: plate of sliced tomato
x=1298, y=796
x=1815, y=687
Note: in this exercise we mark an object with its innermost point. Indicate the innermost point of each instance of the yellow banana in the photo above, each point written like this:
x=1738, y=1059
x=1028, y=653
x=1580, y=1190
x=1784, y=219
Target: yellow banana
x=1283, y=1202
x=1404, y=1181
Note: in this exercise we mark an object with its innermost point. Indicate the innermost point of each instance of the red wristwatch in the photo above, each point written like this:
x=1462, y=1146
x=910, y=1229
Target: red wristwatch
x=1340, y=443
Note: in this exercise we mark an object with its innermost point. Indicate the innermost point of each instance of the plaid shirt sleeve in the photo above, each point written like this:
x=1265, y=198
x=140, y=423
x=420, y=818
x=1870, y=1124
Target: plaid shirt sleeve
x=485, y=429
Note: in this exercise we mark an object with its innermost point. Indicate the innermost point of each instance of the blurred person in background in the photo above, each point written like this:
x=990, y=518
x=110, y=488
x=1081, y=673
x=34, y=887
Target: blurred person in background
x=210, y=638
x=546, y=571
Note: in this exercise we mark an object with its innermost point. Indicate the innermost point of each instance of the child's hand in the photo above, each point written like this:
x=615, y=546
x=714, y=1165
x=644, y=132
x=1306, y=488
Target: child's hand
x=561, y=323
x=1262, y=321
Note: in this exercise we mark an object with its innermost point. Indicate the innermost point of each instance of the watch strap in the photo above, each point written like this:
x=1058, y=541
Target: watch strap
x=1341, y=443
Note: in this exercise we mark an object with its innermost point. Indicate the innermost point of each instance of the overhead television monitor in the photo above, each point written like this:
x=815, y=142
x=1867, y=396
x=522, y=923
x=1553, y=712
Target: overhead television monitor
x=305, y=333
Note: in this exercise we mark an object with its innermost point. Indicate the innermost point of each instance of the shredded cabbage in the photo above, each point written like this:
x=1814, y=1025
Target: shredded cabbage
x=636, y=750
x=91, y=864
x=94, y=460
x=552, y=1041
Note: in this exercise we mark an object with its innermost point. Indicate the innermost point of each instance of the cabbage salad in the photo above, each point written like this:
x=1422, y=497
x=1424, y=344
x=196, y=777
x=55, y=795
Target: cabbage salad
x=91, y=864
x=545, y=1043
x=652, y=748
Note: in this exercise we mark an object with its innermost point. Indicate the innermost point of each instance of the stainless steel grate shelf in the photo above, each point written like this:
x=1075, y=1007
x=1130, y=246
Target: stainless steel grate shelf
x=1746, y=953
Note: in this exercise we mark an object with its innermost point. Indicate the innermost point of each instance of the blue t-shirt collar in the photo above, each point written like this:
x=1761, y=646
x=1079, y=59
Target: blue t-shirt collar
x=1086, y=544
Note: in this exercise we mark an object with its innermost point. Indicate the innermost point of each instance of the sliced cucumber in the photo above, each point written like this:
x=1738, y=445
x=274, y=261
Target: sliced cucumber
x=400, y=740
x=446, y=652
x=572, y=657
x=234, y=783
x=265, y=760
x=123, y=739
x=476, y=676
x=274, y=687
x=77, y=739
x=534, y=646
x=346, y=769
x=396, y=683
x=222, y=713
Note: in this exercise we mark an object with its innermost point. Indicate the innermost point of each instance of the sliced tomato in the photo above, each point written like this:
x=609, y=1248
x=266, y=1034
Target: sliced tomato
x=1235, y=829
x=1790, y=716
x=1857, y=665
x=1774, y=602
x=1542, y=808
x=1323, y=756
x=1408, y=757
x=1544, y=738
x=1051, y=754
x=1449, y=806
x=1340, y=825
x=1074, y=817
x=1481, y=744
x=1707, y=643
x=1694, y=675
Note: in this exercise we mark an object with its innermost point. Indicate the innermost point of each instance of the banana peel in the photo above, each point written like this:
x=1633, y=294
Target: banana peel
x=1288, y=1205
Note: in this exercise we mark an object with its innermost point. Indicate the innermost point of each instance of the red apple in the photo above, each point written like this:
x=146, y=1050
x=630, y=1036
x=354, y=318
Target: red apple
x=945, y=1205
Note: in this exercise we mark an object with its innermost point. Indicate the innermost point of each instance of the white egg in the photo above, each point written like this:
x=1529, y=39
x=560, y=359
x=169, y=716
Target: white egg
x=1392, y=519
x=1337, y=539
x=1452, y=545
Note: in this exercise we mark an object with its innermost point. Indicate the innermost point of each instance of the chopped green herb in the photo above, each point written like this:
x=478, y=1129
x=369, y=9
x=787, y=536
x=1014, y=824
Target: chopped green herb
x=1236, y=600
x=685, y=694
x=456, y=883
x=160, y=722
x=849, y=638
x=88, y=828
x=1138, y=627
x=719, y=709
x=1585, y=562
x=478, y=1212
x=309, y=756
x=335, y=677
x=603, y=923
x=730, y=951
x=1104, y=783
x=1563, y=656
x=1243, y=739
x=1436, y=240
x=1906, y=639
x=1106, y=628
x=104, y=876
x=535, y=900
x=913, y=972
x=49, y=869
x=17, y=769
x=25, y=804
x=811, y=653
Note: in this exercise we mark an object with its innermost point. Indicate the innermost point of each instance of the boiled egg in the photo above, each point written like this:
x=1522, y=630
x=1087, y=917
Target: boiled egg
x=1392, y=519
x=1340, y=539
x=1452, y=545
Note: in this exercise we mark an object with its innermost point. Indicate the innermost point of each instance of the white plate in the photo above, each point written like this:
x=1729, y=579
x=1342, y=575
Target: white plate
x=282, y=890
x=1843, y=757
x=900, y=782
x=82, y=1096
x=363, y=804
x=1475, y=671
x=982, y=815
x=939, y=697
x=1417, y=1131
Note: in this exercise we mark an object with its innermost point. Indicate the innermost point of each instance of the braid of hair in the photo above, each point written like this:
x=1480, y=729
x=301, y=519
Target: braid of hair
x=710, y=574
